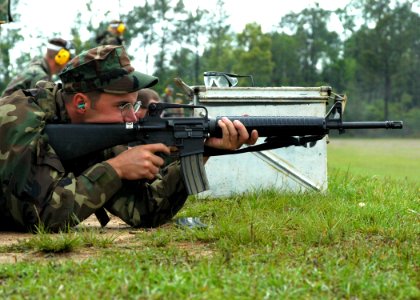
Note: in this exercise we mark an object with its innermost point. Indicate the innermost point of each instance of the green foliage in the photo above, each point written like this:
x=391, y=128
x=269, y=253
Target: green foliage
x=253, y=55
x=62, y=242
x=317, y=46
x=376, y=63
x=95, y=238
x=380, y=50
x=8, y=38
x=47, y=243
x=285, y=56
x=218, y=53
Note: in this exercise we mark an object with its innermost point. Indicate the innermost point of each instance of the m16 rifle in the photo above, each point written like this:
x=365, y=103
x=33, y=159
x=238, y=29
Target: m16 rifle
x=187, y=134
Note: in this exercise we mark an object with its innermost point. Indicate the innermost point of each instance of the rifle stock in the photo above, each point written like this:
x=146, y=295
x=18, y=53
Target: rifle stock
x=187, y=134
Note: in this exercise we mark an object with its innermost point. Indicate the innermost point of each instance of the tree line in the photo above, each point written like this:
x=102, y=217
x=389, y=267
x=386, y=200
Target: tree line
x=376, y=61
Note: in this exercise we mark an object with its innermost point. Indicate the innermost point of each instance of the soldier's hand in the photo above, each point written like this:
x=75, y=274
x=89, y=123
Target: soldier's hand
x=139, y=162
x=234, y=135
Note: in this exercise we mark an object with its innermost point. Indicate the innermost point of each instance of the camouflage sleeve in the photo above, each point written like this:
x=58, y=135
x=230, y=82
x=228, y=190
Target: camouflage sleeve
x=150, y=203
x=34, y=185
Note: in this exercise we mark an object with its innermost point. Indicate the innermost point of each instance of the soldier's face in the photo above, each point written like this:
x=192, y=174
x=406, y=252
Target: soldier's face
x=112, y=108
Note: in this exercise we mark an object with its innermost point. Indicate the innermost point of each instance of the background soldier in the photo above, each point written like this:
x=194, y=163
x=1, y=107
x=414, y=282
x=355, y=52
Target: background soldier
x=146, y=97
x=167, y=95
x=59, y=52
x=114, y=34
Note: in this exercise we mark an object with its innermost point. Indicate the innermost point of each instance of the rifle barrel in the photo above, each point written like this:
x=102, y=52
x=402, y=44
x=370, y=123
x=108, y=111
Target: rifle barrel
x=365, y=125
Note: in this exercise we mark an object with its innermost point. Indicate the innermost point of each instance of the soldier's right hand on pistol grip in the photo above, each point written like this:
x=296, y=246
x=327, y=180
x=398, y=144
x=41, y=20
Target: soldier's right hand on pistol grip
x=139, y=162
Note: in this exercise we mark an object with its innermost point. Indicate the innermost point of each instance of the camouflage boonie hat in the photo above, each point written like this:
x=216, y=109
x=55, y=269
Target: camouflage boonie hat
x=105, y=68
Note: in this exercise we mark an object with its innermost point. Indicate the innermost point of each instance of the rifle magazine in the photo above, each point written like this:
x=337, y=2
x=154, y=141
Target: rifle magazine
x=194, y=173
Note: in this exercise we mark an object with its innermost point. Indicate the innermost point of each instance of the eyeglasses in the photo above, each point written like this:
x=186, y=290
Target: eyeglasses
x=220, y=79
x=129, y=111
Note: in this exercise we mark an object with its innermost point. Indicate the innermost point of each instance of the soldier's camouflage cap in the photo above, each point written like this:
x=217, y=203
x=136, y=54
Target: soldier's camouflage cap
x=104, y=68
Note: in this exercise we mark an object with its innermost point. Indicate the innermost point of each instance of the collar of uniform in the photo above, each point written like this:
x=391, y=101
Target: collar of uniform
x=61, y=108
x=51, y=102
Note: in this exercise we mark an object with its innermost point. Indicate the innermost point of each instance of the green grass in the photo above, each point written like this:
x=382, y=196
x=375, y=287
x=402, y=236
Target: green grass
x=394, y=158
x=358, y=241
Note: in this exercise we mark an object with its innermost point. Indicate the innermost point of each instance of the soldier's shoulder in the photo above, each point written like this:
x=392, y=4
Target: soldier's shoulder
x=17, y=109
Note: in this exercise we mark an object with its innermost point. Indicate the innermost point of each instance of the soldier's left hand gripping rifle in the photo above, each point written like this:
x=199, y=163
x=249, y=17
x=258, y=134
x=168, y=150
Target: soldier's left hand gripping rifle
x=188, y=134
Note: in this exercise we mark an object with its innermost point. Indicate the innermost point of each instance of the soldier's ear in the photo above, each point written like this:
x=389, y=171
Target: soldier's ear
x=80, y=103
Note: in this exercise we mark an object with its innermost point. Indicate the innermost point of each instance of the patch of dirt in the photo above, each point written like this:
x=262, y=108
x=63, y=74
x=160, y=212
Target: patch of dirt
x=123, y=237
x=122, y=233
x=10, y=238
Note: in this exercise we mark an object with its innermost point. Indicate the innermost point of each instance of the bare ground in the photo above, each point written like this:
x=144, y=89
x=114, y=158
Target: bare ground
x=122, y=233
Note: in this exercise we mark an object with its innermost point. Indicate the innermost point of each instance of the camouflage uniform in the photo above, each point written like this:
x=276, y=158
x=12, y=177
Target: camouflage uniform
x=37, y=70
x=38, y=188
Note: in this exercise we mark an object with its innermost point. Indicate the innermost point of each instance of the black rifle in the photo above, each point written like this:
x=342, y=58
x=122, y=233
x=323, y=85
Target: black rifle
x=187, y=134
